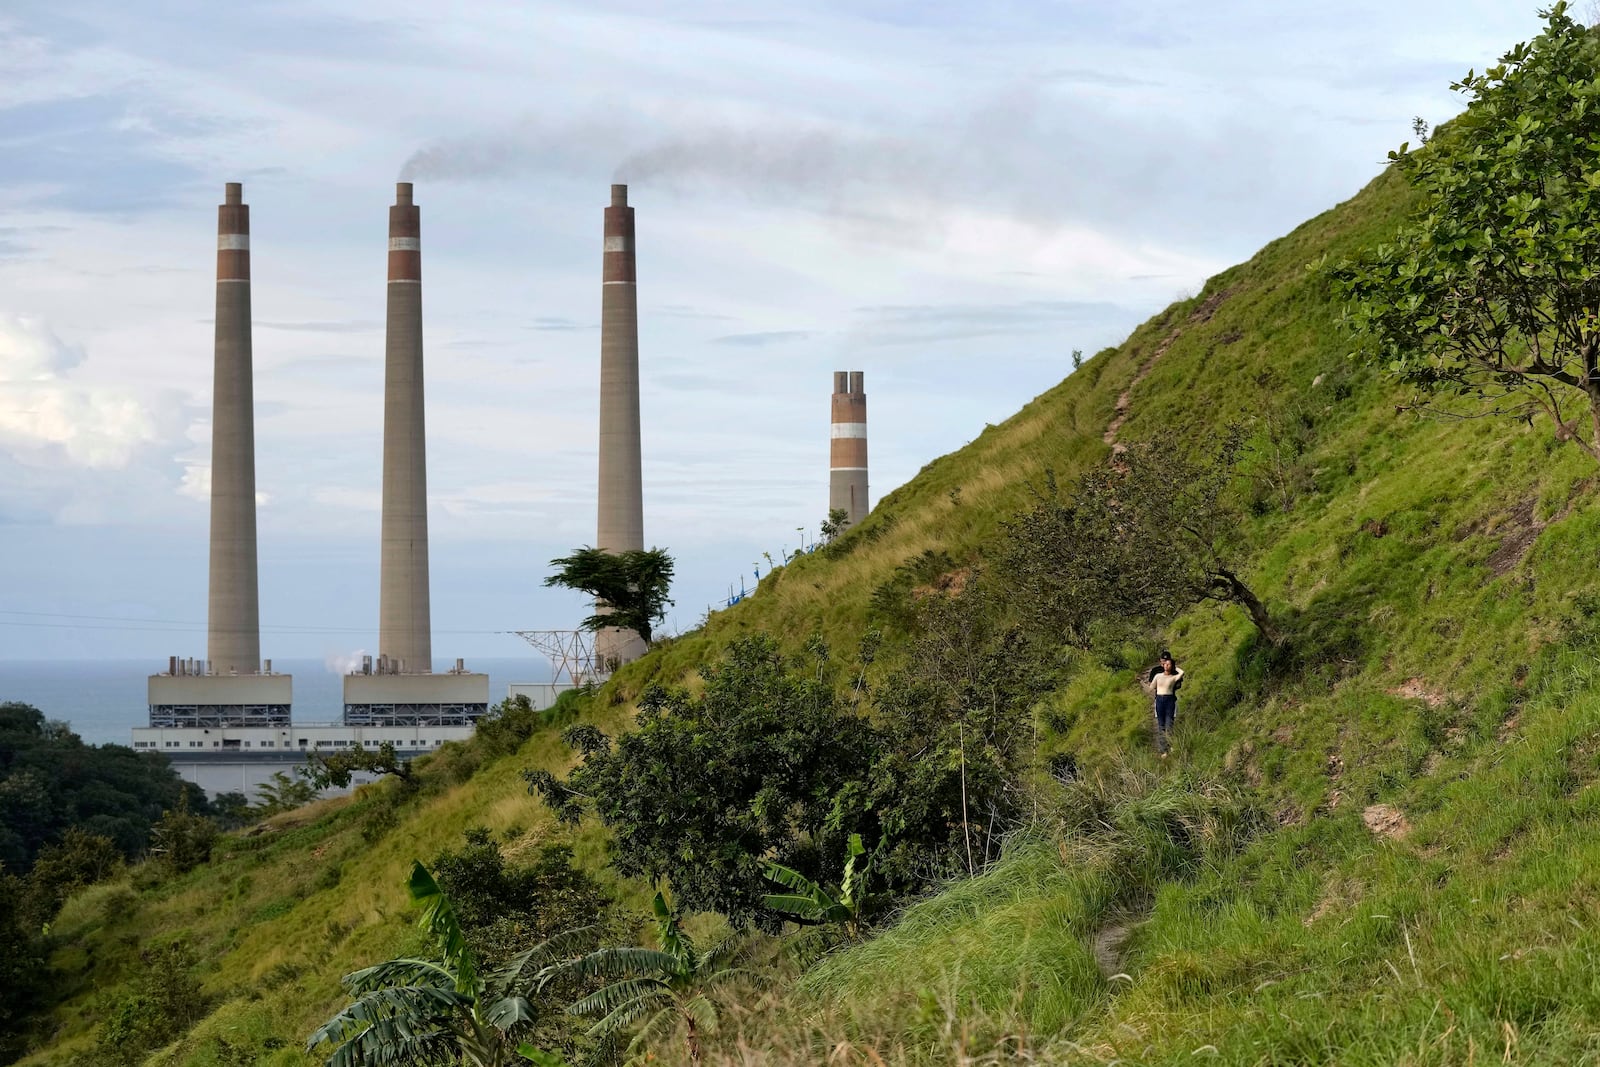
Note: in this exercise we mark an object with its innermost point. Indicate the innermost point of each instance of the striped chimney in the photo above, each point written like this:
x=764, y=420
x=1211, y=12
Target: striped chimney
x=621, y=517
x=404, y=630
x=233, y=633
x=847, y=460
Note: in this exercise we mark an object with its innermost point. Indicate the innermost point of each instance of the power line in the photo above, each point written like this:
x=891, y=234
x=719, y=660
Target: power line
x=80, y=622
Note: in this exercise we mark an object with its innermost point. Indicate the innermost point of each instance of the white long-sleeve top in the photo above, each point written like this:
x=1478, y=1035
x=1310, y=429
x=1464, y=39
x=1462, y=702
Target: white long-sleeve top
x=1164, y=685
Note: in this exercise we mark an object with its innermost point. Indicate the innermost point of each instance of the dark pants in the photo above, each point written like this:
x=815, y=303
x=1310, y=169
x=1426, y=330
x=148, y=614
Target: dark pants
x=1166, y=711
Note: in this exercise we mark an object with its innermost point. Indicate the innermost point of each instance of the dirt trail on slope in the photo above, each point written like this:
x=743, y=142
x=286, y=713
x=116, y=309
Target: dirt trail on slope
x=1199, y=315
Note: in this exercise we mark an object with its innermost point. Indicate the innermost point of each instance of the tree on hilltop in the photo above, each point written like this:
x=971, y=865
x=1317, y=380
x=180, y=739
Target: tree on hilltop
x=630, y=588
x=1488, y=301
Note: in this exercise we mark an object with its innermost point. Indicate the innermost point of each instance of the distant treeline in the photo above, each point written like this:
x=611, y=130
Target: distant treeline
x=50, y=781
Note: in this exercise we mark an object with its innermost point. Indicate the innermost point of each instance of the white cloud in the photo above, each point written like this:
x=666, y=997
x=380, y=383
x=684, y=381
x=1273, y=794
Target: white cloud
x=49, y=412
x=196, y=485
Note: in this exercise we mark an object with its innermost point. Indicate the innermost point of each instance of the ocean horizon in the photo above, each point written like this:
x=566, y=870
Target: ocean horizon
x=102, y=700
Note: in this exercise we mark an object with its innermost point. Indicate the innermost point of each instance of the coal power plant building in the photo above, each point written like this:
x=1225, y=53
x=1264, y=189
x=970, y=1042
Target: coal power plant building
x=231, y=685
x=224, y=720
x=398, y=686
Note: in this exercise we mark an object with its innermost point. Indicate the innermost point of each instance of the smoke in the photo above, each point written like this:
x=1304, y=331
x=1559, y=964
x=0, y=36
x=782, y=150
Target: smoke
x=343, y=662
x=1030, y=155
x=837, y=169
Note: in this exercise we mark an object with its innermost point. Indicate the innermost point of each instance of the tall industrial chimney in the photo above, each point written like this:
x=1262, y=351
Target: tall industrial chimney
x=621, y=519
x=404, y=631
x=233, y=638
x=847, y=460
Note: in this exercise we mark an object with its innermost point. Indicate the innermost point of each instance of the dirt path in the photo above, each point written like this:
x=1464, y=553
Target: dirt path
x=1200, y=314
x=1109, y=943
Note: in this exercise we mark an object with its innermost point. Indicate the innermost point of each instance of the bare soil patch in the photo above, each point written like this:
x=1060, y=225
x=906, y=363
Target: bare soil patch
x=1386, y=821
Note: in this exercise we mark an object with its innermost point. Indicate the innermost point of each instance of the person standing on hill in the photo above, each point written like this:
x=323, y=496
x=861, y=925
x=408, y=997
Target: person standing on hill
x=1162, y=681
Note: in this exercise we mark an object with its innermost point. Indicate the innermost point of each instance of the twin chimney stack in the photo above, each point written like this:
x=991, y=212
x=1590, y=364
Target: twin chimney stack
x=847, y=459
x=621, y=517
x=404, y=630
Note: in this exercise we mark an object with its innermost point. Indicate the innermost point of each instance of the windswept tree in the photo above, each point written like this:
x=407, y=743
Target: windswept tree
x=1139, y=540
x=629, y=588
x=336, y=768
x=420, y=1013
x=1488, y=301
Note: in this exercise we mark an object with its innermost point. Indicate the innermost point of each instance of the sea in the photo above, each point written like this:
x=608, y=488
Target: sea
x=103, y=700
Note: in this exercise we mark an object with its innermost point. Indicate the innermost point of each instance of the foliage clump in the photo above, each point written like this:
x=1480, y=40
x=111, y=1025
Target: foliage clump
x=776, y=760
x=1135, y=543
x=50, y=780
x=1488, y=301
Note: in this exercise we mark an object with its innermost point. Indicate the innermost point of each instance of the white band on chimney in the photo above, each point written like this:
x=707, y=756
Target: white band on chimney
x=847, y=468
x=405, y=244
x=233, y=242
x=618, y=243
x=849, y=429
x=619, y=283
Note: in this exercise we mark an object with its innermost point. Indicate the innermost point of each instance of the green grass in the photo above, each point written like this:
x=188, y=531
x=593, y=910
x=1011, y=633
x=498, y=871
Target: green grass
x=1431, y=568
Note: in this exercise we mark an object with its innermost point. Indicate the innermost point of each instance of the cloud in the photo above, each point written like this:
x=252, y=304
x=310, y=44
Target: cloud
x=685, y=311
x=45, y=408
x=196, y=485
x=348, y=326
x=556, y=324
x=928, y=323
x=761, y=340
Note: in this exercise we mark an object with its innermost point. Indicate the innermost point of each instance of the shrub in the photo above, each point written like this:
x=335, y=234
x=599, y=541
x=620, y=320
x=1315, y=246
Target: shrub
x=182, y=841
x=162, y=1003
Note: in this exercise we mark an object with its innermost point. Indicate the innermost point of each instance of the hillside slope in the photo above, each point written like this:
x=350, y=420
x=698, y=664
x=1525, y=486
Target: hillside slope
x=1378, y=850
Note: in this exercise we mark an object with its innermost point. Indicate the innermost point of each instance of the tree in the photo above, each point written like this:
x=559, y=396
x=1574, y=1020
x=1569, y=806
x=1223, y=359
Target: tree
x=78, y=860
x=284, y=792
x=1491, y=294
x=811, y=904
x=835, y=524
x=711, y=785
x=163, y=1002
x=23, y=974
x=419, y=1013
x=50, y=781
x=664, y=987
x=182, y=840
x=1138, y=541
x=630, y=588
x=335, y=769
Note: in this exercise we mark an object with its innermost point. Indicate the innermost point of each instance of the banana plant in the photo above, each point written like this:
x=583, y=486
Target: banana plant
x=418, y=1012
x=664, y=988
x=810, y=904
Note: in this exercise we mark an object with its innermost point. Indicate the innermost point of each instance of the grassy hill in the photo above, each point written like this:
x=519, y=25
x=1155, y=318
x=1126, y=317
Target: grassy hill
x=1380, y=849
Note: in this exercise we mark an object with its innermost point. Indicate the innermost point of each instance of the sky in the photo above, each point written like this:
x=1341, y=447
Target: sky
x=950, y=197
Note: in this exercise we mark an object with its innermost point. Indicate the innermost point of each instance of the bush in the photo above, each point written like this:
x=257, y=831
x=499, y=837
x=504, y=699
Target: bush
x=21, y=966
x=79, y=860
x=165, y=1000
x=181, y=841
x=506, y=909
x=508, y=725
